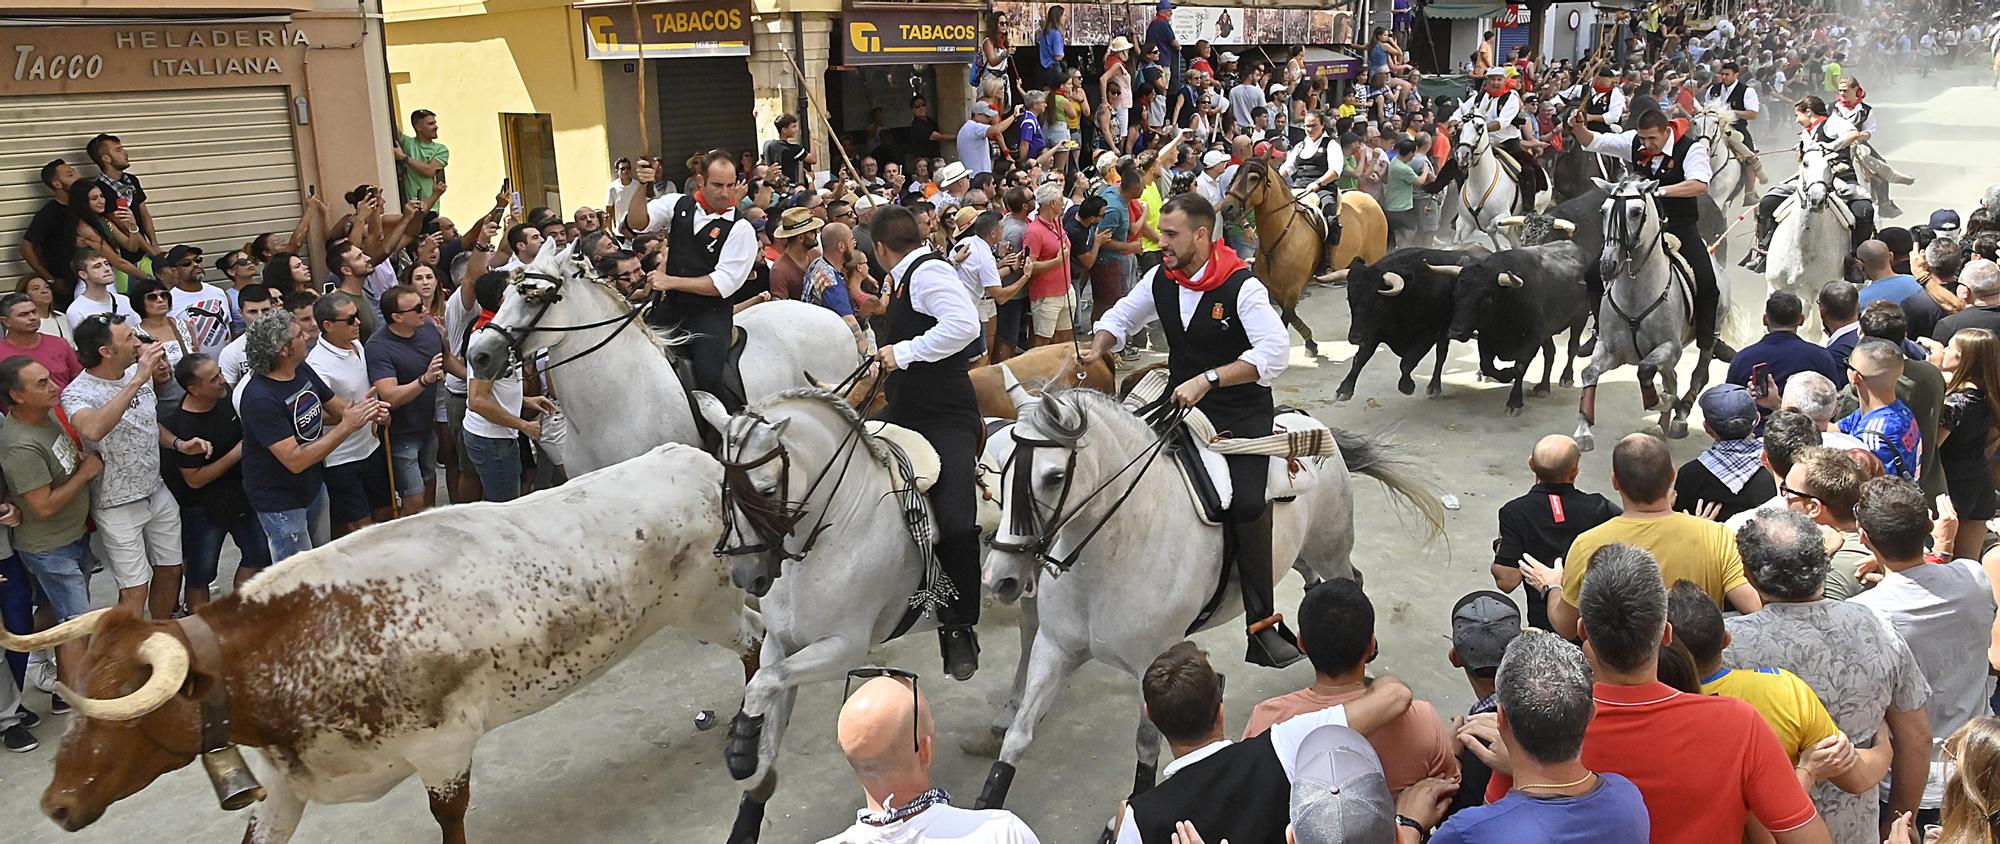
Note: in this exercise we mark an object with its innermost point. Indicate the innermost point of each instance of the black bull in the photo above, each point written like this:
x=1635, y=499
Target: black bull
x=1401, y=301
x=1517, y=301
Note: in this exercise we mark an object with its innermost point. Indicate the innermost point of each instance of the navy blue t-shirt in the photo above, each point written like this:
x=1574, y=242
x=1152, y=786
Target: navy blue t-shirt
x=1614, y=811
x=1785, y=354
x=405, y=360
x=274, y=411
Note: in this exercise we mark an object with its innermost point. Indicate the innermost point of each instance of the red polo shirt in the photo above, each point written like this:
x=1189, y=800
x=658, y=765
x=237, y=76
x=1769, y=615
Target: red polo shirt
x=1704, y=764
x=1044, y=242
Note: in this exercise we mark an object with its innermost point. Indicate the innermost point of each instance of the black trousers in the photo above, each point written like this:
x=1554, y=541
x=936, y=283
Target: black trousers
x=946, y=412
x=1862, y=209
x=1707, y=295
x=1249, y=520
x=707, y=350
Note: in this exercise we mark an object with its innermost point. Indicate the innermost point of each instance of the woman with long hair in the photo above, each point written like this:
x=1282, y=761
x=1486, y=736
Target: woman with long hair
x=157, y=324
x=1049, y=39
x=997, y=62
x=286, y=272
x=43, y=295
x=1971, y=813
x=1966, y=433
x=90, y=204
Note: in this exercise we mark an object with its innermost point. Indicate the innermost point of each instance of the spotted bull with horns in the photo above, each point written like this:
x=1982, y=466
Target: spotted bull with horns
x=390, y=652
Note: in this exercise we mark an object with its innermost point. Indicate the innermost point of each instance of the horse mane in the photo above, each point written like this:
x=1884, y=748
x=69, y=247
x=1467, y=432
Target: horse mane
x=1063, y=416
x=561, y=265
x=840, y=407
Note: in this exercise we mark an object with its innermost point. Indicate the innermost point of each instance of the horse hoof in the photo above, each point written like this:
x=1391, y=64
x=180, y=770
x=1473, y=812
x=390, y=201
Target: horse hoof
x=1677, y=429
x=1406, y=386
x=1586, y=442
x=1343, y=395
x=739, y=753
x=1568, y=382
x=1312, y=349
x=984, y=744
x=1541, y=391
x=1433, y=391
x=1513, y=410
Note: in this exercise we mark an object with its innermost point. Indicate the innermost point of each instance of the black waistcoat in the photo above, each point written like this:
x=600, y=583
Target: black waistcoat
x=1677, y=213
x=1213, y=337
x=920, y=391
x=1239, y=793
x=691, y=253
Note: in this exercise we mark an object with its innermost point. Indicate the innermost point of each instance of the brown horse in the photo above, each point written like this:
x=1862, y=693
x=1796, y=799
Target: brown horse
x=1290, y=250
x=1034, y=369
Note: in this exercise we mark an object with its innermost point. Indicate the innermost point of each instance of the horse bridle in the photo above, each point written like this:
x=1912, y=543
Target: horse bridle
x=1027, y=520
x=1264, y=183
x=772, y=518
x=546, y=291
x=1619, y=231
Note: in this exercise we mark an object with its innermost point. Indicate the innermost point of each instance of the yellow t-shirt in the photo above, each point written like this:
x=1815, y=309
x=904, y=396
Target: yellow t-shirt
x=1785, y=701
x=1687, y=548
x=1153, y=202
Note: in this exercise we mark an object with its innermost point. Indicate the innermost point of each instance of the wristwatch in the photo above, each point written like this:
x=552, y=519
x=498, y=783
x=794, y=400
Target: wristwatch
x=1214, y=378
x=1422, y=834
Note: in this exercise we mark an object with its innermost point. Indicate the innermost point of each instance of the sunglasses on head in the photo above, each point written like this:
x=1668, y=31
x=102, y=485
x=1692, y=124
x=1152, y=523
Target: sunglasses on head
x=872, y=672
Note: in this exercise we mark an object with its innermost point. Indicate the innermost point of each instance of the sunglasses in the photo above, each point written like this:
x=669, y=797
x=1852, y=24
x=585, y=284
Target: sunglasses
x=156, y=295
x=187, y=263
x=1788, y=492
x=870, y=673
x=350, y=319
x=243, y=262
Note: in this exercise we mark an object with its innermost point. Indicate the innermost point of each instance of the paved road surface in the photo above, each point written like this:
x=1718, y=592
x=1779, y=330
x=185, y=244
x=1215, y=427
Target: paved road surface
x=621, y=761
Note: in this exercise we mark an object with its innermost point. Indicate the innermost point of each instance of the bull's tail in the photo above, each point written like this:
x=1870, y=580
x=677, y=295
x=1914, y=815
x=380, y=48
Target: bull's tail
x=1378, y=455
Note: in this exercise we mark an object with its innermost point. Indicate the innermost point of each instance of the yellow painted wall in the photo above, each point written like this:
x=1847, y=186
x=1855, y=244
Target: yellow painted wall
x=517, y=58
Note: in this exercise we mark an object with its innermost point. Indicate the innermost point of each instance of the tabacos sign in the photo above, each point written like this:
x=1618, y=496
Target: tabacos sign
x=668, y=30
x=904, y=34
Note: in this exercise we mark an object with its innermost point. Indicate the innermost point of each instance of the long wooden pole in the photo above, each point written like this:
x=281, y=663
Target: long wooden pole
x=639, y=30
x=824, y=118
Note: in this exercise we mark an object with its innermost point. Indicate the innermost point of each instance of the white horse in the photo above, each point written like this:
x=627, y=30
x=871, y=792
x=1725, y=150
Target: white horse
x=619, y=393
x=1487, y=193
x=818, y=502
x=1730, y=182
x=1646, y=318
x=1809, y=245
x=1144, y=577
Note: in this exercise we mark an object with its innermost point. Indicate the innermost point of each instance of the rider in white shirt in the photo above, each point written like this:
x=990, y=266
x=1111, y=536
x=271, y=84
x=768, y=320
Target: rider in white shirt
x=1499, y=106
x=1818, y=128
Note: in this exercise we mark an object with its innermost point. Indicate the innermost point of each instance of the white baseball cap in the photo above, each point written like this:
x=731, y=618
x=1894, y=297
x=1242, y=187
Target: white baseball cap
x=1213, y=157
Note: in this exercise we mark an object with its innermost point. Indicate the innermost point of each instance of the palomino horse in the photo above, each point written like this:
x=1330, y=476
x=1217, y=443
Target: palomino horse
x=1488, y=192
x=1289, y=245
x=618, y=392
x=1131, y=564
x=1647, y=315
x=823, y=507
x=1809, y=245
x=1039, y=368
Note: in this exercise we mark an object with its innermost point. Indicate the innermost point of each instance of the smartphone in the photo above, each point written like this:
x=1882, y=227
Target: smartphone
x=507, y=185
x=312, y=190
x=1757, y=375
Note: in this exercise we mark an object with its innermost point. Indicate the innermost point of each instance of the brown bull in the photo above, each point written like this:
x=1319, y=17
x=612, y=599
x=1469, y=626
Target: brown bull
x=1289, y=247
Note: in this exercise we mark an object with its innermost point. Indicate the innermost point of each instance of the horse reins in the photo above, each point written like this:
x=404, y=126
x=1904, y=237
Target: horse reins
x=1622, y=231
x=517, y=336
x=1023, y=521
x=773, y=520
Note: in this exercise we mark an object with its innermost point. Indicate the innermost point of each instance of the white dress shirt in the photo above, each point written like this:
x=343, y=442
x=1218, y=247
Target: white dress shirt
x=1311, y=147
x=1210, y=188
x=1286, y=738
x=1580, y=93
x=1750, y=102
x=979, y=271
x=1849, y=115
x=1270, y=347
x=1696, y=168
x=936, y=291
x=739, y=246
x=1502, y=109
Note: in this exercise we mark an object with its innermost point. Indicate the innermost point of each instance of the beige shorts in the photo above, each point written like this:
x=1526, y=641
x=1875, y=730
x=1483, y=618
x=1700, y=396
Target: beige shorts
x=987, y=308
x=136, y=537
x=1052, y=314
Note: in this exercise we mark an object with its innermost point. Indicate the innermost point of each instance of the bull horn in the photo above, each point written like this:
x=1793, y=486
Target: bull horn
x=1335, y=277
x=1016, y=391
x=1565, y=226
x=1392, y=284
x=1516, y=220
x=1508, y=280
x=75, y=628
x=1448, y=270
x=169, y=660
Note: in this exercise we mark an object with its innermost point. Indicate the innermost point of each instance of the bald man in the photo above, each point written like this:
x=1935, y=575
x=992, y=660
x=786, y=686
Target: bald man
x=1543, y=522
x=1884, y=284
x=887, y=735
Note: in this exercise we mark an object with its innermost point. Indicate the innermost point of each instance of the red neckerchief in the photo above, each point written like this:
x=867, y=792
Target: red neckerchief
x=1602, y=89
x=485, y=316
x=1814, y=126
x=1222, y=263
x=1646, y=156
x=703, y=202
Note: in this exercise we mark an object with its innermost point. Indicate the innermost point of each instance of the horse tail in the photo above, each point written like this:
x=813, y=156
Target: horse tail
x=1378, y=455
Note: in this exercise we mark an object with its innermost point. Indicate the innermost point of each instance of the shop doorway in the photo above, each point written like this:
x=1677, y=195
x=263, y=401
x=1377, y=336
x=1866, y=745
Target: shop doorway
x=529, y=146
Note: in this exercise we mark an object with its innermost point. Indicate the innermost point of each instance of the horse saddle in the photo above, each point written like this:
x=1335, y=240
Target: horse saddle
x=1524, y=201
x=922, y=460
x=1298, y=447
x=1680, y=271
x=732, y=367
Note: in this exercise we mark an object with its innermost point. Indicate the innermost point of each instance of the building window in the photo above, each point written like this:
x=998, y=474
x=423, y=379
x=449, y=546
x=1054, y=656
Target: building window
x=530, y=150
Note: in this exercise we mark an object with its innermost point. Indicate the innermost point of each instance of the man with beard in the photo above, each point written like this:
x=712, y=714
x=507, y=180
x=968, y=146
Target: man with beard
x=1225, y=347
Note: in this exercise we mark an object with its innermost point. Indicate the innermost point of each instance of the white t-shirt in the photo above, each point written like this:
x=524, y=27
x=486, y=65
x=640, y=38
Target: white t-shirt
x=85, y=306
x=233, y=362
x=345, y=371
x=205, y=312
x=507, y=392
x=618, y=198
x=456, y=318
x=1945, y=612
x=943, y=825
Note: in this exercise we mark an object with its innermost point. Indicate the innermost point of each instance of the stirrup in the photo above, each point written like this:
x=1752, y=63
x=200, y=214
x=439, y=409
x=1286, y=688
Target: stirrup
x=958, y=645
x=1271, y=645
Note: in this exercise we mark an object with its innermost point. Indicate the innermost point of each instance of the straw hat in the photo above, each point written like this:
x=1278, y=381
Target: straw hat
x=1120, y=44
x=951, y=173
x=795, y=222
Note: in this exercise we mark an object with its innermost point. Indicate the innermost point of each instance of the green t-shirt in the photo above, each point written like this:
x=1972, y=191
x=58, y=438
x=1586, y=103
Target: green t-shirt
x=35, y=456
x=417, y=185
x=1153, y=202
x=1398, y=193
x=1832, y=81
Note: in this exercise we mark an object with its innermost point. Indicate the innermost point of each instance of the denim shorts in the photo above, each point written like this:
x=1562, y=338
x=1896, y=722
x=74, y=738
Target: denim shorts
x=290, y=532
x=64, y=575
x=416, y=459
x=498, y=462
x=201, y=540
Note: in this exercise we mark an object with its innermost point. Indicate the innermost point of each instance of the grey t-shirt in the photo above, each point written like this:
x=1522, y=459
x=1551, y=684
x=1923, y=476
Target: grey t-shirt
x=131, y=451
x=1945, y=612
x=1857, y=664
x=36, y=456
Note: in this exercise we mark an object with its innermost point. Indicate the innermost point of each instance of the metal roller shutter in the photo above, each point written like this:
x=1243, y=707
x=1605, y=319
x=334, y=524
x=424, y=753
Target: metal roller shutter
x=1511, y=37
x=704, y=105
x=218, y=165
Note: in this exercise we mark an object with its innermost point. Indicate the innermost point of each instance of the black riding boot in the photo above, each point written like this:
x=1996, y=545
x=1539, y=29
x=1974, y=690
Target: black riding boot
x=1766, y=223
x=1271, y=644
x=957, y=643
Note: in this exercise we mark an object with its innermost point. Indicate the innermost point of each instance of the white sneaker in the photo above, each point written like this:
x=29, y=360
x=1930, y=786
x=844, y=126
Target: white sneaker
x=42, y=670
